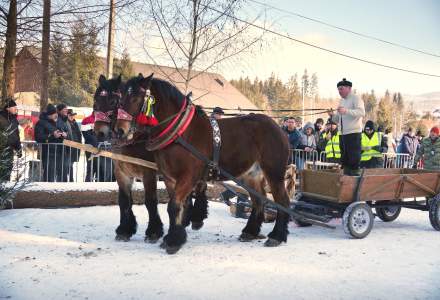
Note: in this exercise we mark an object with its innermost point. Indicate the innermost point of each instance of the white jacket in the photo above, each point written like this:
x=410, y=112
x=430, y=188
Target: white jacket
x=351, y=121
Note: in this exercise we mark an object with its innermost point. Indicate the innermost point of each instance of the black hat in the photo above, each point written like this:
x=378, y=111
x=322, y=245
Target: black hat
x=10, y=103
x=319, y=120
x=369, y=125
x=71, y=113
x=218, y=110
x=344, y=82
x=50, y=109
x=61, y=106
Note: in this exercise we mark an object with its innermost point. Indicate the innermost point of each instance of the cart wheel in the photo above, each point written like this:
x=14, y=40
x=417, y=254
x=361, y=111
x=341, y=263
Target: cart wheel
x=389, y=213
x=434, y=213
x=358, y=220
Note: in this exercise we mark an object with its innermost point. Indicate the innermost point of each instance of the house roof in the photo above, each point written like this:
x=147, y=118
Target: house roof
x=208, y=89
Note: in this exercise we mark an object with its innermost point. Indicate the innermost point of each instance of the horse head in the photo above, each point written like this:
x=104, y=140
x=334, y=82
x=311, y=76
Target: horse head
x=106, y=101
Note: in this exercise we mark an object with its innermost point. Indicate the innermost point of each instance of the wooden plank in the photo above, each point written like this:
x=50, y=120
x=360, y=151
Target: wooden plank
x=112, y=155
x=420, y=185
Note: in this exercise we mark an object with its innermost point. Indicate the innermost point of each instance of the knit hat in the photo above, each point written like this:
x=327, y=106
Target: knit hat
x=50, y=109
x=369, y=125
x=61, y=106
x=10, y=103
x=435, y=130
x=344, y=82
x=218, y=110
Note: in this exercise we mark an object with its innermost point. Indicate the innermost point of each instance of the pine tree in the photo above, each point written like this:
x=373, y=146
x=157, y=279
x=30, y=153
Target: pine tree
x=57, y=70
x=385, y=111
x=123, y=66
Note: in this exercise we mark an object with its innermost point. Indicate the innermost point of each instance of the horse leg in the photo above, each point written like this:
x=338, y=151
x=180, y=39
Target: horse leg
x=279, y=232
x=154, y=229
x=127, y=224
x=252, y=229
x=200, y=210
x=176, y=236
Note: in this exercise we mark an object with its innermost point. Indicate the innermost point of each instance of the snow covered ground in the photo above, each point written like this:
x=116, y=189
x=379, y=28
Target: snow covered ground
x=71, y=253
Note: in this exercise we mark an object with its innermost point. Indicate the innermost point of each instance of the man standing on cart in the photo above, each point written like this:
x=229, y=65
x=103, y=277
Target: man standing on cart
x=349, y=116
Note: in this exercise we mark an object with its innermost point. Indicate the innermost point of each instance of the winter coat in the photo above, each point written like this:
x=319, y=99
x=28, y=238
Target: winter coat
x=76, y=137
x=308, y=140
x=294, y=138
x=430, y=152
x=351, y=121
x=409, y=144
x=44, y=134
x=9, y=130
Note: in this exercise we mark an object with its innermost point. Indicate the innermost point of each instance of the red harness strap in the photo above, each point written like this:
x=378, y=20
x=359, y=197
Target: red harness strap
x=174, y=121
x=176, y=128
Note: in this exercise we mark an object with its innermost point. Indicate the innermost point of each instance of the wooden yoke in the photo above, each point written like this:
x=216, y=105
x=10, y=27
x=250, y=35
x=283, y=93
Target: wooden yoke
x=115, y=156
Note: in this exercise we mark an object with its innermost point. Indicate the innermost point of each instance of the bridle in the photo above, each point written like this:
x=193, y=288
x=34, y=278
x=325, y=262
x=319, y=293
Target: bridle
x=108, y=117
x=177, y=123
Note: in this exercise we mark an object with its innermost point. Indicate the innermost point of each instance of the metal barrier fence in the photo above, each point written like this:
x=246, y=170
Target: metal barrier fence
x=390, y=160
x=58, y=163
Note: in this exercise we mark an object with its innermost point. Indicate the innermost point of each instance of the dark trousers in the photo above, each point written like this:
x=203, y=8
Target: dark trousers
x=350, y=145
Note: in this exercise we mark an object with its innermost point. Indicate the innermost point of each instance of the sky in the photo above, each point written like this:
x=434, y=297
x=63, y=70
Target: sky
x=415, y=24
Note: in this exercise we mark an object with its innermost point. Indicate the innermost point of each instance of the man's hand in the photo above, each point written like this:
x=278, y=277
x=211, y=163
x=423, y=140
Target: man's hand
x=57, y=134
x=342, y=110
x=308, y=149
x=63, y=134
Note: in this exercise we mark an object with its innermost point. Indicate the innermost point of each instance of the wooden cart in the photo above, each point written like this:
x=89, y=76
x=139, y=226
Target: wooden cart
x=330, y=193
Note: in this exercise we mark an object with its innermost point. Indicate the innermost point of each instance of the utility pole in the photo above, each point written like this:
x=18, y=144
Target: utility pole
x=45, y=56
x=111, y=37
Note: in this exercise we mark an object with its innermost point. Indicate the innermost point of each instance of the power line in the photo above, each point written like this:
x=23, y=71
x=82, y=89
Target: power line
x=319, y=47
x=346, y=30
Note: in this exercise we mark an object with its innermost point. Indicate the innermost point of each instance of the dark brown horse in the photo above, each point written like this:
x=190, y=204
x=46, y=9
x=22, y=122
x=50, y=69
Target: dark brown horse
x=106, y=101
x=253, y=148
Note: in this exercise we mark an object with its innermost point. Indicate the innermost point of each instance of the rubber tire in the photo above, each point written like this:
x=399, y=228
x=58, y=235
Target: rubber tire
x=352, y=209
x=386, y=217
x=434, y=213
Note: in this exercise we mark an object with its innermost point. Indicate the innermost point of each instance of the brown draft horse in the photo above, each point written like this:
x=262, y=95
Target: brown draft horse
x=253, y=148
x=106, y=101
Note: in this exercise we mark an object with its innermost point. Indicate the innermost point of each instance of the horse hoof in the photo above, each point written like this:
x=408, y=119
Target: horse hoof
x=196, y=225
x=163, y=245
x=122, y=238
x=247, y=237
x=272, y=243
x=152, y=239
x=172, y=249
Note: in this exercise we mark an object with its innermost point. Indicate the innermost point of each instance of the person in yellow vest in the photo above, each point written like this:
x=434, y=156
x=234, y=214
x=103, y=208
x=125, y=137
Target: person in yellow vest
x=373, y=145
x=330, y=142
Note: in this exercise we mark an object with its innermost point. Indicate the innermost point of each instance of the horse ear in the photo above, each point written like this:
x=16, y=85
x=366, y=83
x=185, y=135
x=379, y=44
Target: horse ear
x=101, y=79
x=146, y=82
